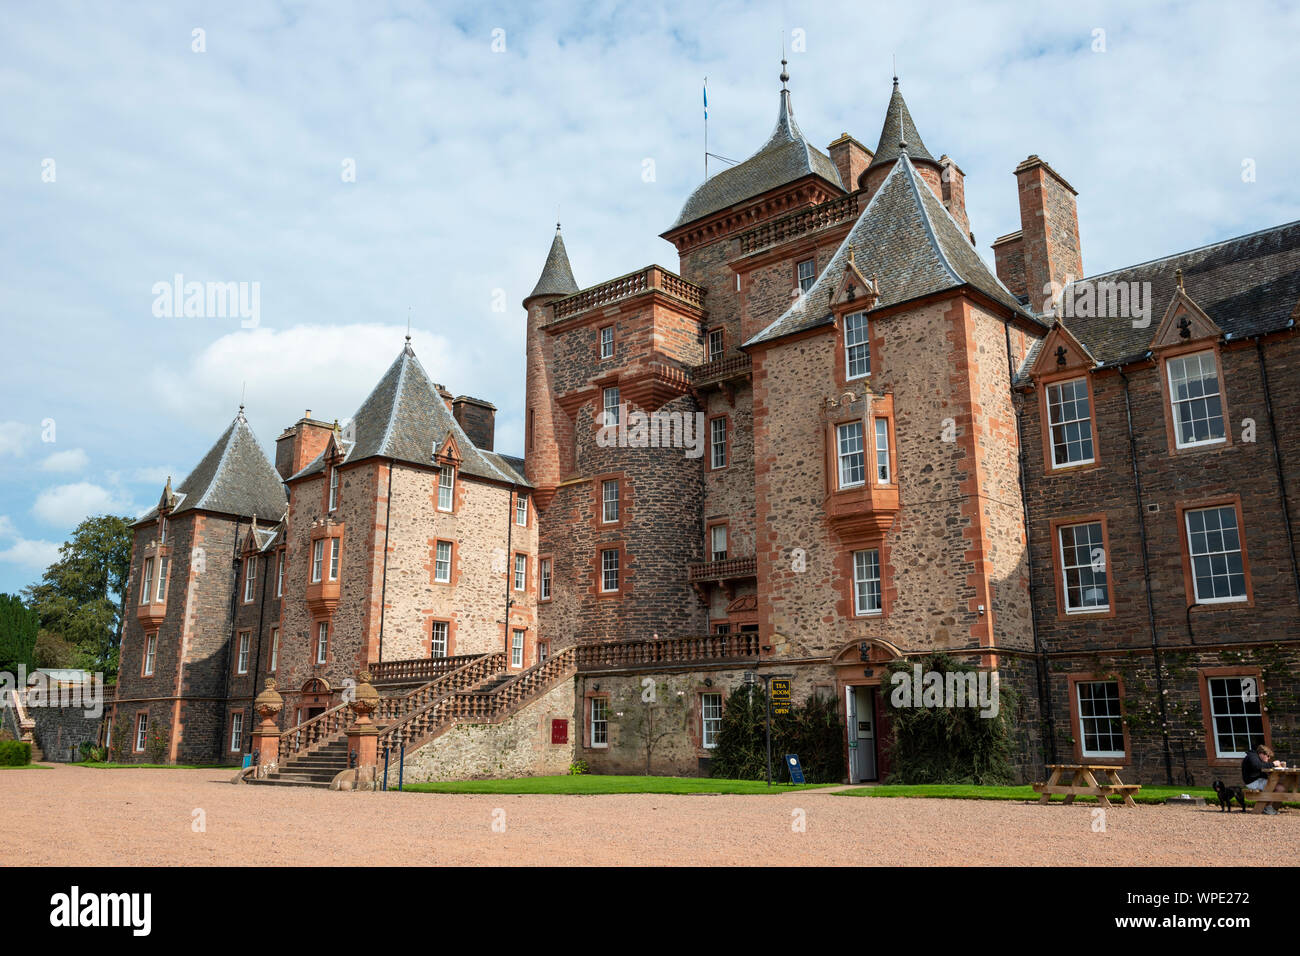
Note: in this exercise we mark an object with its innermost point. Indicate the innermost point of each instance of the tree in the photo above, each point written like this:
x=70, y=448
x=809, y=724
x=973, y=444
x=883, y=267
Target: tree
x=82, y=595
x=19, y=628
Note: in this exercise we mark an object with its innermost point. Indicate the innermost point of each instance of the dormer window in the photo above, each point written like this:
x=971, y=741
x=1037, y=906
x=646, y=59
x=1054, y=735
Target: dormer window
x=1070, y=419
x=1195, y=400
x=334, y=488
x=857, y=354
x=446, y=488
x=162, y=530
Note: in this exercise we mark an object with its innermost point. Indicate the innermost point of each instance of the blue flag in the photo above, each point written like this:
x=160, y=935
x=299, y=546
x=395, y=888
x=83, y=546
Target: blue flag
x=706, y=100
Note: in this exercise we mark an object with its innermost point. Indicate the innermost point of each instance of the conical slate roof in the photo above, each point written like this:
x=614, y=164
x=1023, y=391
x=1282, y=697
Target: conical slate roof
x=785, y=157
x=404, y=418
x=906, y=240
x=898, y=128
x=235, y=477
x=557, y=275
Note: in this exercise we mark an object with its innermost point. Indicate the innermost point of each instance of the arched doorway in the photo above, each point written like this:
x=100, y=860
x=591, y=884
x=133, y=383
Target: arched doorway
x=315, y=699
x=859, y=674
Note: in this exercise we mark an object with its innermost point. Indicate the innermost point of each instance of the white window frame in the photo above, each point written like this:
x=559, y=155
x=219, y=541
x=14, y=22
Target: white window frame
x=1056, y=402
x=865, y=561
x=544, y=579
x=714, y=553
x=236, y=730
x=710, y=719
x=336, y=546
x=317, y=560
x=150, y=652
x=718, y=442
x=851, y=459
x=1175, y=401
x=275, y=650
x=1192, y=555
x=856, y=336
x=160, y=593
x=521, y=572
x=241, y=658
x=883, y=472
x=521, y=510
x=322, y=642
x=599, y=723
x=334, y=489
x=1240, y=696
x=1117, y=717
x=141, y=731
x=146, y=584
x=607, y=342
x=250, y=578
x=716, y=344
x=447, y=489
x=438, y=561
x=607, y=568
x=279, y=576
x=1069, y=564
x=517, y=648
x=609, y=505
x=611, y=409
x=437, y=641
x=806, y=281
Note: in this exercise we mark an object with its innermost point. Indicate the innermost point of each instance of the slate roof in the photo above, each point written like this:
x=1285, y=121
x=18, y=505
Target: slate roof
x=234, y=477
x=404, y=418
x=1247, y=285
x=557, y=274
x=785, y=157
x=906, y=240
x=898, y=128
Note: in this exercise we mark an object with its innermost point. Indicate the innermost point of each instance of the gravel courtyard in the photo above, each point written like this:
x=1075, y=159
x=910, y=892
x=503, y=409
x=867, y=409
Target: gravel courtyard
x=83, y=817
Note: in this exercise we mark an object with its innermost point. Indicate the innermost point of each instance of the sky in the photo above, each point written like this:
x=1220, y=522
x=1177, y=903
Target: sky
x=357, y=164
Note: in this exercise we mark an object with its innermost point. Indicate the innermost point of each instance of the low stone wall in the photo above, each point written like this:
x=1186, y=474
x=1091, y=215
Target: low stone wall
x=60, y=731
x=519, y=746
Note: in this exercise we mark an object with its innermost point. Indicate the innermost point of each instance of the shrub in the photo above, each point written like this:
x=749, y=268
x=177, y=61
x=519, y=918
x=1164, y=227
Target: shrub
x=15, y=753
x=119, y=746
x=578, y=768
x=952, y=745
x=156, y=744
x=812, y=729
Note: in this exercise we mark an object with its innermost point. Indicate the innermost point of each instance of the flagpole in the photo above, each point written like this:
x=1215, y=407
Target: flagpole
x=706, y=129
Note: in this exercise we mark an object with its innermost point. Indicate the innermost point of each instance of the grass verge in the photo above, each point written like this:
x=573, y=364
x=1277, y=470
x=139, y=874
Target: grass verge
x=1148, y=794
x=591, y=784
x=26, y=766
x=98, y=765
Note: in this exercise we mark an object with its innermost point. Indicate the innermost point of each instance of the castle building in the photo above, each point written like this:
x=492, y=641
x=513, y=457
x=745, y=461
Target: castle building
x=833, y=439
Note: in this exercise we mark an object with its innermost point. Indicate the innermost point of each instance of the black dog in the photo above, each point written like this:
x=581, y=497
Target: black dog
x=1227, y=795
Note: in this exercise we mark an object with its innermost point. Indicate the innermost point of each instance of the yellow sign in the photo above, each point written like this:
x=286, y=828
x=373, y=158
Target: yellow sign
x=780, y=696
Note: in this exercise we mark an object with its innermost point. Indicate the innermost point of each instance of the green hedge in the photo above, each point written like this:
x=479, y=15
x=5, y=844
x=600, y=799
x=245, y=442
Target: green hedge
x=812, y=729
x=15, y=753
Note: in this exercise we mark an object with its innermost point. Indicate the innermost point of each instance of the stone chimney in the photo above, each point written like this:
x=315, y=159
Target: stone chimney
x=952, y=191
x=477, y=418
x=1009, y=260
x=851, y=158
x=1049, y=227
x=300, y=443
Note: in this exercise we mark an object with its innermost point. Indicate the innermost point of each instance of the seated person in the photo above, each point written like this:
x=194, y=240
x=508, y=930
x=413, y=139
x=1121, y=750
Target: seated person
x=1255, y=767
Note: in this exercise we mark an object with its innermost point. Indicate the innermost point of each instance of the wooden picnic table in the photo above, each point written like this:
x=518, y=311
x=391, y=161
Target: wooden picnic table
x=1283, y=787
x=1083, y=782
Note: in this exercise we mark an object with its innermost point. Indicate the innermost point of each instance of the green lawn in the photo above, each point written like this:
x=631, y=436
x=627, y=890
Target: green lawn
x=601, y=783
x=155, y=766
x=1148, y=794
x=26, y=766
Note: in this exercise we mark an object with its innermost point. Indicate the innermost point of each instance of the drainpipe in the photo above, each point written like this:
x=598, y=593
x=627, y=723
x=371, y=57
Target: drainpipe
x=510, y=563
x=237, y=563
x=257, y=660
x=383, y=587
x=1146, y=578
x=1044, y=676
x=1277, y=461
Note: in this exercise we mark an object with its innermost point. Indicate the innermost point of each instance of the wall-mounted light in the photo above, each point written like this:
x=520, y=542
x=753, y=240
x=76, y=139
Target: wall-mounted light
x=708, y=682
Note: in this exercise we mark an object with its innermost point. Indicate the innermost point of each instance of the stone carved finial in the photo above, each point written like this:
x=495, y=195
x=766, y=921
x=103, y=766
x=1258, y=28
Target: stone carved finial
x=365, y=700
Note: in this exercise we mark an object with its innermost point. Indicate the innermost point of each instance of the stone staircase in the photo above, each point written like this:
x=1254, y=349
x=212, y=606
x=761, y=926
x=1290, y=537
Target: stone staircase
x=24, y=727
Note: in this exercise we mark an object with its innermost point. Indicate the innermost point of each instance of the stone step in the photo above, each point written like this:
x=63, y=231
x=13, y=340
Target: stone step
x=282, y=782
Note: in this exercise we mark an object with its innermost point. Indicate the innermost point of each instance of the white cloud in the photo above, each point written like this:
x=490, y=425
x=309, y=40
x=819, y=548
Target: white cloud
x=74, y=459
x=327, y=368
x=67, y=505
x=7, y=529
x=31, y=554
x=14, y=437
